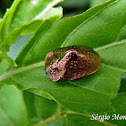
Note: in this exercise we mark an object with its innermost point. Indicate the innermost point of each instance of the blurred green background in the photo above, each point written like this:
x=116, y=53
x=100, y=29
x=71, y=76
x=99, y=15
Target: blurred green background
x=3, y=5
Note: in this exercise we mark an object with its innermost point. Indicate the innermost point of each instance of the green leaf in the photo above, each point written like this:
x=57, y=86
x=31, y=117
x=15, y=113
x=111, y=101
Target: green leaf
x=96, y=2
x=25, y=14
x=5, y=62
x=79, y=30
x=88, y=92
x=93, y=29
x=119, y=110
x=12, y=107
x=122, y=33
x=1, y=20
x=53, y=13
x=42, y=107
x=38, y=108
x=69, y=118
x=120, y=106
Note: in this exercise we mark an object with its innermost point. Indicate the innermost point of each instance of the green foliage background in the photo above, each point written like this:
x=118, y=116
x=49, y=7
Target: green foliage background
x=31, y=29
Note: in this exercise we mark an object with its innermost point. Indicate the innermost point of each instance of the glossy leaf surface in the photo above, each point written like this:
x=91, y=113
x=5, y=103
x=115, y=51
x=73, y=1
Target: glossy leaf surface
x=100, y=28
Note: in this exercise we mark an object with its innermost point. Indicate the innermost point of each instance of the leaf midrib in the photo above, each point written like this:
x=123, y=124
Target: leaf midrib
x=69, y=83
x=42, y=63
x=25, y=68
x=89, y=89
x=11, y=73
x=39, y=64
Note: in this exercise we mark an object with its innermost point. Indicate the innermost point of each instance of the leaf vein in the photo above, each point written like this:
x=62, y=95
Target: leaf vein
x=88, y=88
x=110, y=45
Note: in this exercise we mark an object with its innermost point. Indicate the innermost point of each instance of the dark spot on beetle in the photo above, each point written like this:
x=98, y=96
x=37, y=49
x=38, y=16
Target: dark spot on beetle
x=72, y=55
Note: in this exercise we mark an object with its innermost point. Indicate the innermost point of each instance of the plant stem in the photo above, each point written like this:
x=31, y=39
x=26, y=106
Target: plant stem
x=54, y=117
